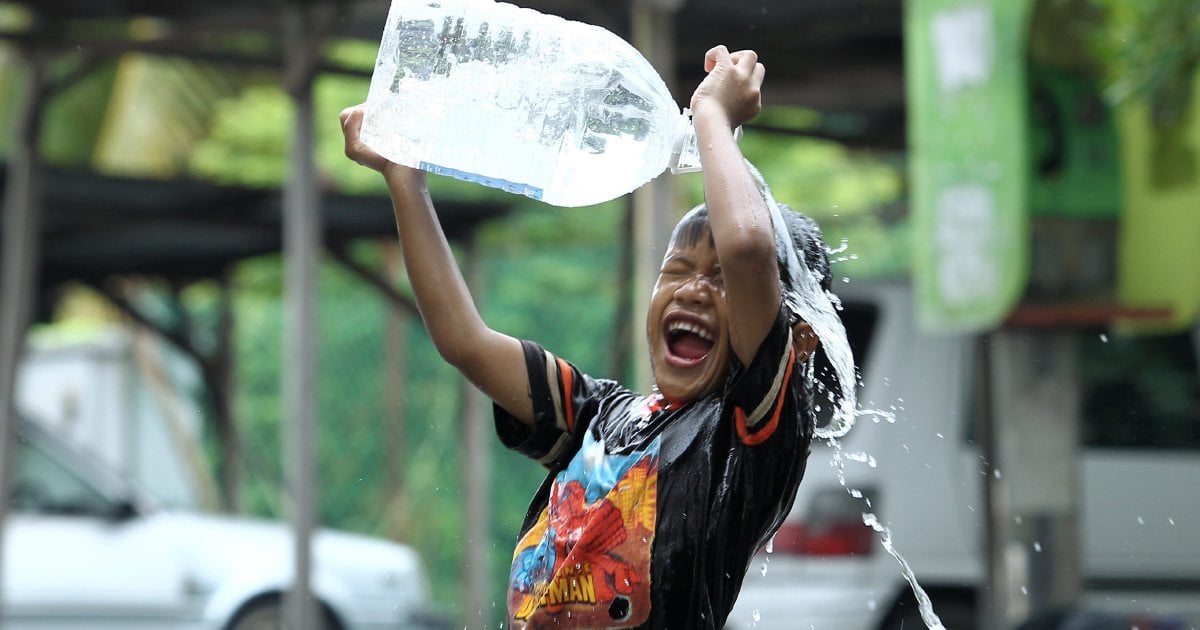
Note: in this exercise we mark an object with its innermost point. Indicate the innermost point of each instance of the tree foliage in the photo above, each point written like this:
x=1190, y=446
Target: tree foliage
x=1150, y=49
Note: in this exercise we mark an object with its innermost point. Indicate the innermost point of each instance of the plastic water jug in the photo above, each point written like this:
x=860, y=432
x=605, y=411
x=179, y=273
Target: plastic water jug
x=533, y=104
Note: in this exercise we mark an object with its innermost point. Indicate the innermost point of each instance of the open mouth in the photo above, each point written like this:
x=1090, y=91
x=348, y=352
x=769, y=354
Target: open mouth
x=688, y=341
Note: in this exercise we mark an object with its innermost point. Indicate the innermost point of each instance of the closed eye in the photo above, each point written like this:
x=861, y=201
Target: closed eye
x=676, y=267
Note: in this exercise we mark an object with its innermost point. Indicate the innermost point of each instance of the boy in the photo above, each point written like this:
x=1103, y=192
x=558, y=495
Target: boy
x=654, y=505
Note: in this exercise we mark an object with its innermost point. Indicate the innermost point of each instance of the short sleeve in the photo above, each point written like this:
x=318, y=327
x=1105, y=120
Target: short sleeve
x=761, y=391
x=558, y=391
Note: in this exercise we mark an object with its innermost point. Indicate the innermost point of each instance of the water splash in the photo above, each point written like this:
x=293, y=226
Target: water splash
x=805, y=297
x=923, y=604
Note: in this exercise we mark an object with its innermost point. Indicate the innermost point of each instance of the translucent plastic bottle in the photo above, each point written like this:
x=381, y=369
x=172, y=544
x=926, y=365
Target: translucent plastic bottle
x=560, y=111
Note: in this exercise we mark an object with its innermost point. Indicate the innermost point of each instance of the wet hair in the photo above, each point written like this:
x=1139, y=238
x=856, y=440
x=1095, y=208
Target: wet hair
x=805, y=234
x=691, y=228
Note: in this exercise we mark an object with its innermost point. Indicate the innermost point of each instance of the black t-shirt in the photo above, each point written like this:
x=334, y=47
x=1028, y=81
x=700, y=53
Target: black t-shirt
x=652, y=512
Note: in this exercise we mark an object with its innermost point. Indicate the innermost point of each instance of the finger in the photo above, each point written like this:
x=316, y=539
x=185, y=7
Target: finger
x=352, y=121
x=715, y=55
x=760, y=73
x=744, y=57
x=352, y=117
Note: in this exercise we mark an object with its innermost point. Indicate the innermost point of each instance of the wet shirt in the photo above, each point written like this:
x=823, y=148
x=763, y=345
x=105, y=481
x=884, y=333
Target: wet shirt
x=651, y=512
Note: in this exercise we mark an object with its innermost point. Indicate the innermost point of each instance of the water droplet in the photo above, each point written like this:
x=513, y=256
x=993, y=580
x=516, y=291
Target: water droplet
x=940, y=436
x=756, y=617
x=1103, y=338
x=1171, y=521
x=996, y=473
x=1141, y=521
x=764, y=572
x=845, y=280
x=1037, y=546
x=871, y=604
x=1024, y=591
x=771, y=545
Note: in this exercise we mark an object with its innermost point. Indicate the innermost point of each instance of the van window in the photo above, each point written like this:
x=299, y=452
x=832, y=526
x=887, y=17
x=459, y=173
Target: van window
x=43, y=485
x=859, y=318
x=1140, y=392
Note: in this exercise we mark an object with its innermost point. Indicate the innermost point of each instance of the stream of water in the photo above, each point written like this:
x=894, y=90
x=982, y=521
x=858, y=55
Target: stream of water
x=819, y=308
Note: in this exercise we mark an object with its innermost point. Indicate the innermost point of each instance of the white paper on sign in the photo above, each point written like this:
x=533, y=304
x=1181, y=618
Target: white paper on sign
x=966, y=228
x=963, y=46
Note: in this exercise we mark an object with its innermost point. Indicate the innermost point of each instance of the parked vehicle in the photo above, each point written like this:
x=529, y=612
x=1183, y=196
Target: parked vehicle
x=1137, y=474
x=83, y=550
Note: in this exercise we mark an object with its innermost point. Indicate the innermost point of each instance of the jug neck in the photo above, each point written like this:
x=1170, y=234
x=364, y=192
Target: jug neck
x=685, y=154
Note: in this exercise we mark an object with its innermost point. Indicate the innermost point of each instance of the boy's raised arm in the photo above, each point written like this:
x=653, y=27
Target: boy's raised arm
x=741, y=222
x=492, y=361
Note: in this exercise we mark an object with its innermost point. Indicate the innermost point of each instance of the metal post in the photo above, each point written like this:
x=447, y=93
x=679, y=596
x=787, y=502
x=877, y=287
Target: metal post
x=993, y=596
x=1037, y=394
x=395, y=383
x=656, y=204
x=476, y=467
x=301, y=247
x=19, y=258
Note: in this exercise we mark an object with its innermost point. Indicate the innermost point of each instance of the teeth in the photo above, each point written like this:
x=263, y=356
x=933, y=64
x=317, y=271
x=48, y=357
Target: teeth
x=690, y=328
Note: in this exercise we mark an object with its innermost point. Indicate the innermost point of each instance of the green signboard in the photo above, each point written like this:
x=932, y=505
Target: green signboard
x=966, y=76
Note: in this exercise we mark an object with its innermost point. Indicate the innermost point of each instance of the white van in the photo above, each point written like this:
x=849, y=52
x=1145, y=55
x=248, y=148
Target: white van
x=1137, y=481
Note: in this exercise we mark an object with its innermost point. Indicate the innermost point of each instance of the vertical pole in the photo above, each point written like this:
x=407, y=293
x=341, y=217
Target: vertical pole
x=395, y=373
x=620, y=357
x=655, y=205
x=476, y=466
x=19, y=258
x=221, y=389
x=994, y=596
x=1037, y=394
x=301, y=246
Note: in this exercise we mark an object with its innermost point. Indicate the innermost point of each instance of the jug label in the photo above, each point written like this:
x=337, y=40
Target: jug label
x=532, y=192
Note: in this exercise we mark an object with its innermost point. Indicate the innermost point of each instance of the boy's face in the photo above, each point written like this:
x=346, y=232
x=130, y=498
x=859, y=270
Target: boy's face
x=688, y=321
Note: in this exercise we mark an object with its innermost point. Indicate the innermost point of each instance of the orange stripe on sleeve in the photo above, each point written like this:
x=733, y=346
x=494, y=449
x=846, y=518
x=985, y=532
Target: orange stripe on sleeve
x=566, y=378
x=760, y=436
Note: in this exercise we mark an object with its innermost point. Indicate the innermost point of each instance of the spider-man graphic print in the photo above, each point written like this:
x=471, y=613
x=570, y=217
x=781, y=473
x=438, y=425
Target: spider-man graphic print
x=586, y=560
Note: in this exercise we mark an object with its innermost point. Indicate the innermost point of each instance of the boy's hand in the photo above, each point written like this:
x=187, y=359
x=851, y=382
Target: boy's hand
x=356, y=149
x=733, y=85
